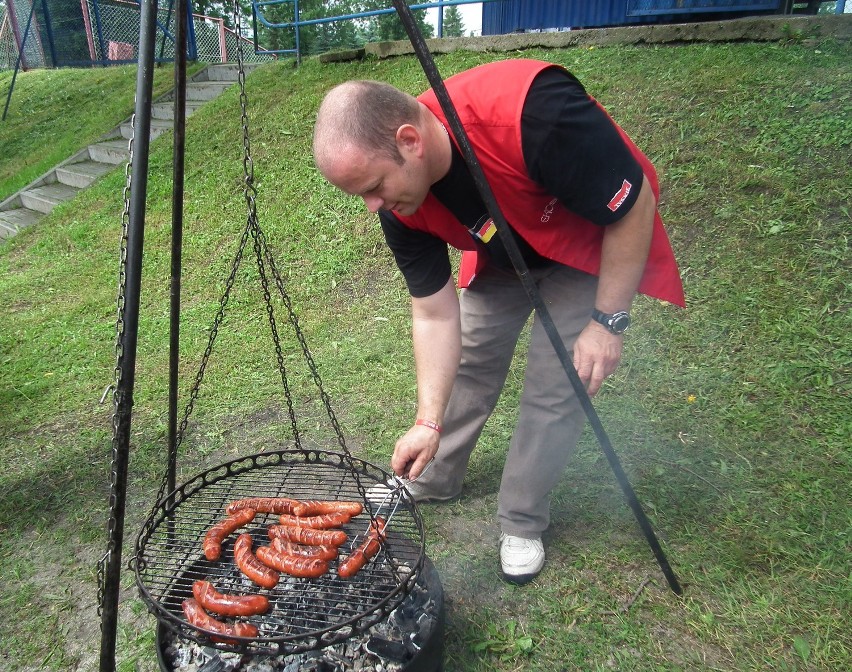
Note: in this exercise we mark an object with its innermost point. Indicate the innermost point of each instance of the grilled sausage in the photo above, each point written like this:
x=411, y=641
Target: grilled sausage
x=249, y=565
x=314, y=507
x=228, y=605
x=276, y=505
x=324, y=521
x=304, y=568
x=307, y=535
x=366, y=550
x=359, y=557
x=196, y=616
x=303, y=550
x=216, y=534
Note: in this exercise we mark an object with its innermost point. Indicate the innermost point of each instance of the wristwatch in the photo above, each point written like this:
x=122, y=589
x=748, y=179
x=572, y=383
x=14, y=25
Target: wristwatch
x=616, y=323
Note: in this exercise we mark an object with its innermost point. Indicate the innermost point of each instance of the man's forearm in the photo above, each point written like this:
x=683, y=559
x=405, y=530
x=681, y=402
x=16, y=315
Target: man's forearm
x=625, y=253
x=436, y=334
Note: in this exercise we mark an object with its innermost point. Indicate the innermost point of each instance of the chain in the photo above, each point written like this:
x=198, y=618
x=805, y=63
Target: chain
x=262, y=253
x=119, y=359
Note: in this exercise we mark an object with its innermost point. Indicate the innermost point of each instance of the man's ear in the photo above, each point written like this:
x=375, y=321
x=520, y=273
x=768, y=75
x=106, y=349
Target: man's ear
x=409, y=140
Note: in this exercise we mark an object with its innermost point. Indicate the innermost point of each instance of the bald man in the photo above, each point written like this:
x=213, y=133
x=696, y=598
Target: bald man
x=580, y=199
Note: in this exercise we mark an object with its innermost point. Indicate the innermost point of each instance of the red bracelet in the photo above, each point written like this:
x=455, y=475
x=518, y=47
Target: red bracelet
x=429, y=424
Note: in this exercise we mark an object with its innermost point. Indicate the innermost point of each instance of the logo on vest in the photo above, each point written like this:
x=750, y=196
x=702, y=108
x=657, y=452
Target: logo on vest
x=620, y=196
x=548, y=211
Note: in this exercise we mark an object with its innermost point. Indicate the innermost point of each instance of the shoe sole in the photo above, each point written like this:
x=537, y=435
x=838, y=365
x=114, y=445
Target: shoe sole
x=519, y=579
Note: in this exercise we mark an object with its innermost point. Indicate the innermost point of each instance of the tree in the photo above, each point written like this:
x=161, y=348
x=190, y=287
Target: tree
x=453, y=24
x=389, y=27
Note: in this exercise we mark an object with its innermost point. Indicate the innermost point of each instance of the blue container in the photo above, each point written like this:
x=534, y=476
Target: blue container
x=500, y=17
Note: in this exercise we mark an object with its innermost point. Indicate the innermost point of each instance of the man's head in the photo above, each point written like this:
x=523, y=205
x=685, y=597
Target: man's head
x=371, y=140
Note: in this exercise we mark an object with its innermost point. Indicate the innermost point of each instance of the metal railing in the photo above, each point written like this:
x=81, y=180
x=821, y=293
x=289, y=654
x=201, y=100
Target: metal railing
x=103, y=32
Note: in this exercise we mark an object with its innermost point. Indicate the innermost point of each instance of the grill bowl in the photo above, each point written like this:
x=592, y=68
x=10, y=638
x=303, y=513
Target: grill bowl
x=305, y=614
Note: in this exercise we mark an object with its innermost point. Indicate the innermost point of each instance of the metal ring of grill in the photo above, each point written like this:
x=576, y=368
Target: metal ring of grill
x=305, y=614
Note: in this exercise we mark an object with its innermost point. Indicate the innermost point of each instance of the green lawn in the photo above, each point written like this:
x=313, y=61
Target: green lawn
x=732, y=417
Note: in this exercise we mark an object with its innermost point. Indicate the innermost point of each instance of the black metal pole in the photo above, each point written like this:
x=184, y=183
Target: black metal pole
x=48, y=25
x=179, y=150
x=20, y=59
x=528, y=283
x=132, y=293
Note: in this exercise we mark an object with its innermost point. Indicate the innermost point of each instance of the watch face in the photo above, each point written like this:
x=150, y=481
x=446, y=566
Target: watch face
x=619, y=323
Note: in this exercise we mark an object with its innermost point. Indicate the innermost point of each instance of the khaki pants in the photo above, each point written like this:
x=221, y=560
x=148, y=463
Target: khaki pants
x=494, y=311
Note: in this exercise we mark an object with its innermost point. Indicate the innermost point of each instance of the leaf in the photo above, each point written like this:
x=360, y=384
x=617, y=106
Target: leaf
x=800, y=644
x=524, y=644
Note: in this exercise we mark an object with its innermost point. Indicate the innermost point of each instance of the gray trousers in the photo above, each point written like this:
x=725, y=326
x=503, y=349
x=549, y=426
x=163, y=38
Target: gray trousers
x=494, y=311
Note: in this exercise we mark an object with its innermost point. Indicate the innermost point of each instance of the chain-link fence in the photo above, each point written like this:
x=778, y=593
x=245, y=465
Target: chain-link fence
x=57, y=33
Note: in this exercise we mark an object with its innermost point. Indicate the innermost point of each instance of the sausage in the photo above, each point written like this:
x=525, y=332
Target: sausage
x=249, y=565
x=371, y=545
x=304, y=568
x=323, y=521
x=314, y=507
x=228, y=605
x=216, y=534
x=276, y=505
x=307, y=535
x=303, y=550
x=196, y=616
x=359, y=557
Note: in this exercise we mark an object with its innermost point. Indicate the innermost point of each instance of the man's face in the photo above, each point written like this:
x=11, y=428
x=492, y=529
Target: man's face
x=383, y=183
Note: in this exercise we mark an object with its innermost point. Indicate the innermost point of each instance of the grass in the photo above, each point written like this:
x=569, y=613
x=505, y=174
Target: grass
x=731, y=417
x=35, y=138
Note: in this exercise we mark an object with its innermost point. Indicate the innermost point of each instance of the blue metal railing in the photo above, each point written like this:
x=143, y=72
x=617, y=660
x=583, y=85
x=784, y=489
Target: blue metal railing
x=296, y=24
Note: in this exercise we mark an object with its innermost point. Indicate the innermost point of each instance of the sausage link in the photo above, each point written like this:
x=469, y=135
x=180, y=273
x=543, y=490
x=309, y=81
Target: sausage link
x=276, y=505
x=359, y=557
x=196, y=616
x=371, y=545
x=303, y=550
x=216, y=535
x=304, y=568
x=324, y=521
x=307, y=535
x=314, y=507
x=228, y=605
x=249, y=565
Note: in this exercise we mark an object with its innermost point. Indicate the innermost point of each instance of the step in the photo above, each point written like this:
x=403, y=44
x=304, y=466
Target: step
x=110, y=151
x=158, y=127
x=47, y=197
x=167, y=110
x=82, y=174
x=12, y=221
x=204, y=91
x=226, y=72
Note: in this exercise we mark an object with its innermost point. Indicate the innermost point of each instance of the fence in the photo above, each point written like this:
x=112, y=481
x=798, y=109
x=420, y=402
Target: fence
x=57, y=33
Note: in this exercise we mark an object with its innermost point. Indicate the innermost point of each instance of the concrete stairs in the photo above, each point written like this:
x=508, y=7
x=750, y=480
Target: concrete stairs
x=62, y=183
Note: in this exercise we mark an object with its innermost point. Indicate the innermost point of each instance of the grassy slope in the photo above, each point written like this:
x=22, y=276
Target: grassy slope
x=35, y=138
x=731, y=417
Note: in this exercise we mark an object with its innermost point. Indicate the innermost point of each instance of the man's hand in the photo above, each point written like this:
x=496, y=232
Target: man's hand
x=597, y=354
x=414, y=450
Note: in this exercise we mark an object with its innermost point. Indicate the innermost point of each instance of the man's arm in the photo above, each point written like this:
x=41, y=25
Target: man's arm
x=436, y=334
x=626, y=242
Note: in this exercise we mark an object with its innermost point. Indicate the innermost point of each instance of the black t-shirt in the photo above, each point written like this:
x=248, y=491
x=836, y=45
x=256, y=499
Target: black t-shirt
x=571, y=148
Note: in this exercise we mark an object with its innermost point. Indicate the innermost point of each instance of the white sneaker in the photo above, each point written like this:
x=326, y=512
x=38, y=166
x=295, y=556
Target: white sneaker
x=520, y=559
x=381, y=494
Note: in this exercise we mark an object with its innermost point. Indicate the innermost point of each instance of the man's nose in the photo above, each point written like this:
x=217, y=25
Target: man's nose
x=373, y=203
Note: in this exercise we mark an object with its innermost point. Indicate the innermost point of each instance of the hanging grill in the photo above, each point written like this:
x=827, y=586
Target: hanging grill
x=305, y=614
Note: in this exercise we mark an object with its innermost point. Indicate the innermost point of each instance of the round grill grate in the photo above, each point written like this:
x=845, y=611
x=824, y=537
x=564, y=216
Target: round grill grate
x=305, y=614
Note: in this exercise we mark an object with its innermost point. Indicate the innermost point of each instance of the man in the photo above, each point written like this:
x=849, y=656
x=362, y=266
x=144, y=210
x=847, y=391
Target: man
x=580, y=199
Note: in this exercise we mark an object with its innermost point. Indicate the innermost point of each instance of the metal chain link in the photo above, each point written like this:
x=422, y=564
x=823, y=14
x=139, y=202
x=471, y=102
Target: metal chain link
x=262, y=252
x=264, y=259
x=119, y=359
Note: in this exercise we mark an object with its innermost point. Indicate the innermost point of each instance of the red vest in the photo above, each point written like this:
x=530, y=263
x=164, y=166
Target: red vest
x=489, y=100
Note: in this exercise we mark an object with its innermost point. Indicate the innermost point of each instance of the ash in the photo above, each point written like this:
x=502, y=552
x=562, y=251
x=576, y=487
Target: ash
x=388, y=646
